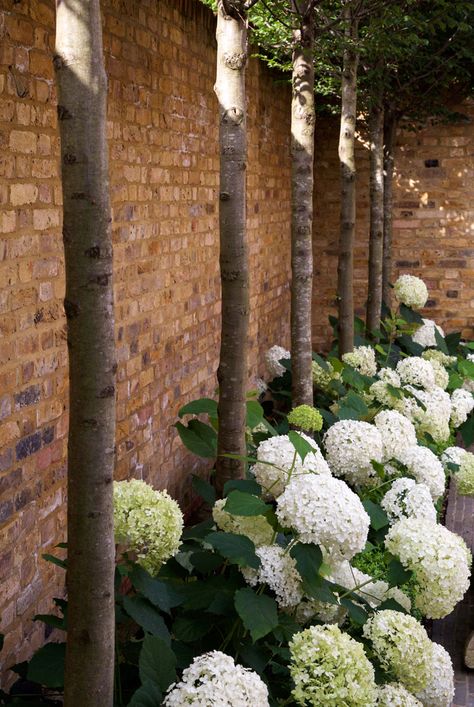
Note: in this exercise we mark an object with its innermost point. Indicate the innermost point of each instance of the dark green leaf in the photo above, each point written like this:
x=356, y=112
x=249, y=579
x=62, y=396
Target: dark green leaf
x=407, y=344
x=440, y=342
x=197, y=407
x=452, y=342
x=300, y=444
x=396, y=573
x=199, y=438
x=455, y=381
x=199, y=531
x=308, y=560
x=206, y=561
x=393, y=605
x=466, y=368
x=51, y=620
x=378, y=517
x=321, y=362
x=148, y=695
x=47, y=665
x=467, y=431
x=410, y=316
x=244, y=485
x=238, y=549
x=157, y=663
x=258, y=612
x=245, y=504
x=191, y=628
x=356, y=612
x=146, y=616
x=160, y=593
x=204, y=489
x=352, y=407
x=55, y=561
x=254, y=414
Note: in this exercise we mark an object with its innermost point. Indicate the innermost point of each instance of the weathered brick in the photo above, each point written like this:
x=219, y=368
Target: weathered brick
x=22, y=141
x=28, y=445
x=29, y=396
x=23, y=194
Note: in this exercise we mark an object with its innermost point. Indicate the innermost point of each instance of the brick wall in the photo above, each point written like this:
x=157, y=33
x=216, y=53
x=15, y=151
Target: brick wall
x=162, y=131
x=433, y=221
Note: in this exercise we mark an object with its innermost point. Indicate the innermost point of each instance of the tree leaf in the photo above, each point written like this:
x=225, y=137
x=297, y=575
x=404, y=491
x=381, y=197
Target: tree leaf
x=303, y=448
x=254, y=414
x=55, y=560
x=321, y=362
x=199, y=438
x=378, y=517
x=148, y=695
x=258, y=612
x=197, y=407
x=47, y=665
x=308, y=560
x=245, y=504
x=157, y=663
x=146, y=616
x=238, y=549
x=204, y=489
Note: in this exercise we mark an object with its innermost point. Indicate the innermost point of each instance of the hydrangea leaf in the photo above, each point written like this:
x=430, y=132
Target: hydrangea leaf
x=47, y=665
x=308, y=560
x=238, y=549
x=157, y=591
x=197, y=407
x=157, y=663
x=204, y=489
x=258, y=612
x=378, y=517
x=148, y=695
x=199, y=438
x=239, y=503
x=244, y=485
x=146, y=616
x=302, y=447
x=254, y=414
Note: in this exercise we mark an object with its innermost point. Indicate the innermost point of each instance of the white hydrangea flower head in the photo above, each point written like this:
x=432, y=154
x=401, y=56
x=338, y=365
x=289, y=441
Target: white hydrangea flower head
x=402, y=647
x=437, y=355
x=330, y=669
x=426, y=468
x=407, y=499
x=395, y=695
x=411, y=291
x=453, y=455
x=439, y=559
x=416, y=371
x=462, y=403
x=272, y=360
x=465, y=475
x=148, y=522
x=278, y=571
x=351, y=445
x=215, y=680
x=397, y=433
x=310, y=609
x=441, y=374
x=261, y=386
x=439, y=691
x=372, y=591
x=434, y=419
x=362, y=358
x=389, y=375
x=276, y=457
x=324, y=511
x=425, y=334
x=381, y=393
x=257, y=528
x=322, y=378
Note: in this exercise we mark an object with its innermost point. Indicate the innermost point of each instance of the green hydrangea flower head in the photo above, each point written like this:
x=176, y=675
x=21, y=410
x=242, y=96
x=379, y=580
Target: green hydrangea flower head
x=465, y=475
x=257, y=528
x=148, y=522
x=306, y=418
x=329, y=668
x=402, y=646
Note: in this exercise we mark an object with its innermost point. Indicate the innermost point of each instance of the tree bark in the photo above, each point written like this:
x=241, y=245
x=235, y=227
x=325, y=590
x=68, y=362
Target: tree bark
x=345, y=288
x=374, y=294
x=302, y=159
x=232, y=372
x=389, y=132
x=82, y=95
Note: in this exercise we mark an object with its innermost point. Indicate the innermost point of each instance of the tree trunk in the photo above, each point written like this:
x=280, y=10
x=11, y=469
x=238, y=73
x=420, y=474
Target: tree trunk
x=389, y=134
x=302, y=158
x=345, y=288
x=82, y=95
x=232, y=372
x=374, y=294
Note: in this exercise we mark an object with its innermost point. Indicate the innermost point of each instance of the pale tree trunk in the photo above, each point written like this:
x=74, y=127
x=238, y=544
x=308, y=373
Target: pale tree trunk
x=302, y=158
x=374, y=294
x=232, y=372
x=390, y=130
x=82, y=95
x=345, y=290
